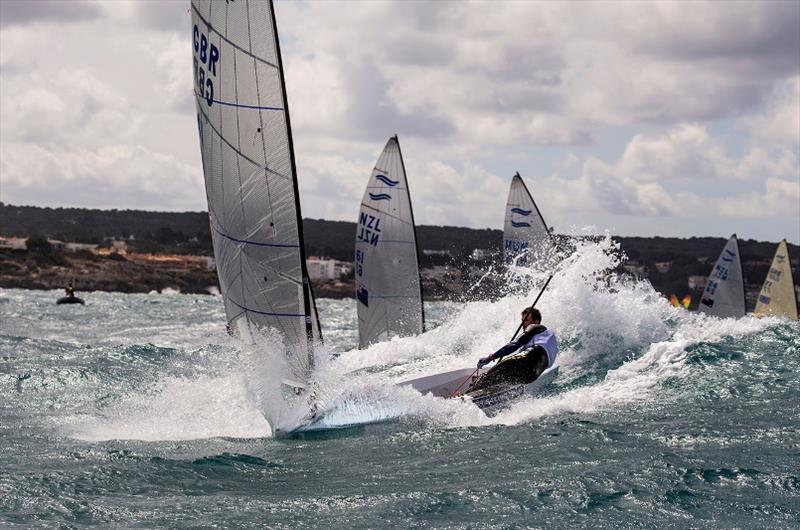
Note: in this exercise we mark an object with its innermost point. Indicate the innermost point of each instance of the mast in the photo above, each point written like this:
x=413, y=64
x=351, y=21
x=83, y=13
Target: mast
x=414, y=224
x=535, y=206
x=303, y=266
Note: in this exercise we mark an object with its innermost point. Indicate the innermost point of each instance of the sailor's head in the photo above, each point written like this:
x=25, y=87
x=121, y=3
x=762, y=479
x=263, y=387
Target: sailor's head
x=531, y=315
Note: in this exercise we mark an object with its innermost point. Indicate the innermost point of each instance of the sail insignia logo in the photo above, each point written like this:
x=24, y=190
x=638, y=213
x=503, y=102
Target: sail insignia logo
x=520, y=224
x=369, y=229
x=386, y=180
x=520, y=211
x=362, y=295
x=779, y=258
x=728, y=255
x=379, y=196
x=206, y=57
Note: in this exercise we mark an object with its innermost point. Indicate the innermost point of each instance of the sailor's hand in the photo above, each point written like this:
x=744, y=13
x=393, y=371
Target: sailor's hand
x=483, y=361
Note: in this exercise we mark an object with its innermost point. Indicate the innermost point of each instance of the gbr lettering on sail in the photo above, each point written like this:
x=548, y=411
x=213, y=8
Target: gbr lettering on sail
x=206, y=58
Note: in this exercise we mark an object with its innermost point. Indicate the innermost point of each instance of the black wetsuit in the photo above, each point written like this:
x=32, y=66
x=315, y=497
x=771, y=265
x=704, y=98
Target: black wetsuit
x=517, y=371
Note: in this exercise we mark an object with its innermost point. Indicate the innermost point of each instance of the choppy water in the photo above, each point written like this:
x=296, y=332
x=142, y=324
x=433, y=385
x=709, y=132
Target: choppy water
x=139, y=411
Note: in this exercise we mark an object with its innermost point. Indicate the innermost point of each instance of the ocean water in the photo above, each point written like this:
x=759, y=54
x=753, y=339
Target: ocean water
x=139, y=411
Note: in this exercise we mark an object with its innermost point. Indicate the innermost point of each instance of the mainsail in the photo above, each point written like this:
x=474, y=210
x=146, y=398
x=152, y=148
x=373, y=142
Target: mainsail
x=724, y=292
x=388, y=288
x=777, y=296
x=250, y=173
x=526, y=238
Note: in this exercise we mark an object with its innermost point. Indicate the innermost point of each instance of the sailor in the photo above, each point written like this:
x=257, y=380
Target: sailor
x=70, y=290
x=539, y=349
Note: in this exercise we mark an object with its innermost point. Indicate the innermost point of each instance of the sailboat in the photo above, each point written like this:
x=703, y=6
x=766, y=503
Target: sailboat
x=724, y=292
x=251, y=178
x=388, y=286
x=526, y=238
x=778, y=296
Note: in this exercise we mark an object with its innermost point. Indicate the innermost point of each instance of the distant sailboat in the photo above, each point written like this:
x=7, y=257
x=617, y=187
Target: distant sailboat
x=251, y=177
x=684, y=302
x=526, y=238
x=388, y=287
x=724, y=292
x=778, y=296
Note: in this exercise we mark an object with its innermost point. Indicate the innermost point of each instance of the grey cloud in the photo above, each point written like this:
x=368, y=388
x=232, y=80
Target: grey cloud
x=164, y=15
x=758, y=38
x=20, y=12
x=373, y=114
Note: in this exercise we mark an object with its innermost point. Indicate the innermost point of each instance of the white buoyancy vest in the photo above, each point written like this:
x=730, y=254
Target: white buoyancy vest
x=547, y=340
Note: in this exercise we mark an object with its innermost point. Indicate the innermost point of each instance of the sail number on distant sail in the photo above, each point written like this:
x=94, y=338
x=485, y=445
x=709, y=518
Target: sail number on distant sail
x=206, y=57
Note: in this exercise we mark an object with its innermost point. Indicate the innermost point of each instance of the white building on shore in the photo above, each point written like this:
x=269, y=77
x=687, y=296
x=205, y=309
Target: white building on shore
x=327, y=269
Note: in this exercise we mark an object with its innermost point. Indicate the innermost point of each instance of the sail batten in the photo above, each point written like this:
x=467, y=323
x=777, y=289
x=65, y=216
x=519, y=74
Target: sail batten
x=778, y=296
x=250, y=173
x=526, y=238
x=723, y=295
x=388, y=287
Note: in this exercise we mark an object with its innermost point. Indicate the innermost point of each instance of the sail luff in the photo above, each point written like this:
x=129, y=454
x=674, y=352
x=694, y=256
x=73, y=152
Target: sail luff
x=535, y=206
x=723, y=295
x=414, y=225
x=250, y=173
x=388, y=290
x=525, y=236
x=778, y=296
x=307, y=293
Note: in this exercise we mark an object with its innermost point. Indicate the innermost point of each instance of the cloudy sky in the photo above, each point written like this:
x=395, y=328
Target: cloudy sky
x=642, y=118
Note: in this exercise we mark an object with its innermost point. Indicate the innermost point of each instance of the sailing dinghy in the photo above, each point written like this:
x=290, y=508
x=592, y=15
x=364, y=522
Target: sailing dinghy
x=724, y=293
x=778, y=296
x=526, y=238
x=251, y=177
x=458, y=384
x=388, y=287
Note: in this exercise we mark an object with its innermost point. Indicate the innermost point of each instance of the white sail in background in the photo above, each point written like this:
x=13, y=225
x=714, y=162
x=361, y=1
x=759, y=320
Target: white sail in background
x=388, y=288
x=526, y=238
x=778, y=296
x=724, y=292
x=250, y=174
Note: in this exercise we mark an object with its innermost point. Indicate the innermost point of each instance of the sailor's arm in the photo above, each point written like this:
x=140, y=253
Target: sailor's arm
x=511, y=347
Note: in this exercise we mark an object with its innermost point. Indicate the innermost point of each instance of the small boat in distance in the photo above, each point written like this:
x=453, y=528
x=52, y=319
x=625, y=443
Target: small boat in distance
x=388, y=285
x=778, y=296
x=70, y=297
x=70, y=300
x=723, y=295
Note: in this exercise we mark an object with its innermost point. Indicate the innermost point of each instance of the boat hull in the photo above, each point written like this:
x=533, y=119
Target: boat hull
x=70, y=300
x=494, y=399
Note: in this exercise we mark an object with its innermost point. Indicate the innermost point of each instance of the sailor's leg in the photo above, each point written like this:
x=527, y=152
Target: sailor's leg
x=535, y=362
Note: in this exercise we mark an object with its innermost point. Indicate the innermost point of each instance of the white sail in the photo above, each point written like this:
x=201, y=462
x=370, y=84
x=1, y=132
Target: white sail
x=724, y=292
x=526, y=239
x=388, y=288
x=777, y=296
x=250, y=173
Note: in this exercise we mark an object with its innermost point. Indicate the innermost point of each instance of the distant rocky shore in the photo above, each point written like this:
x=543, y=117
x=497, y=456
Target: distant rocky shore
x=136, y=273
x=144, y=273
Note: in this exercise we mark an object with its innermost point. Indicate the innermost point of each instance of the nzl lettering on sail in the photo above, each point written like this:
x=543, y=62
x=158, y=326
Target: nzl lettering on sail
x=369, y=230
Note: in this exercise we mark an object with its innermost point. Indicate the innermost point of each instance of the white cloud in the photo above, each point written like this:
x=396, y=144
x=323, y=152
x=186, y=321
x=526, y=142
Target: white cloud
x=780, y=120
x=780, y=198
x=108, y=177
